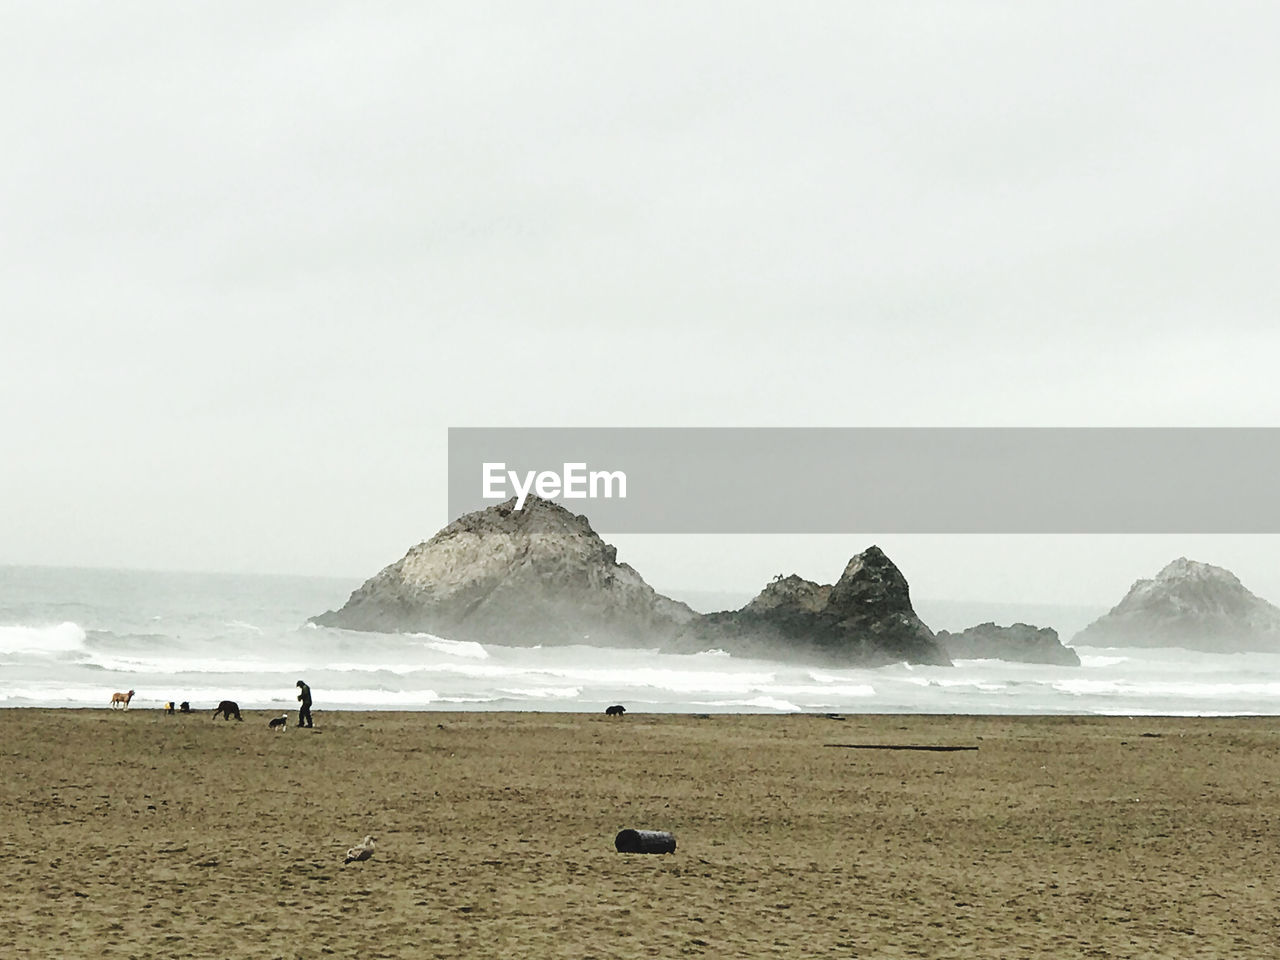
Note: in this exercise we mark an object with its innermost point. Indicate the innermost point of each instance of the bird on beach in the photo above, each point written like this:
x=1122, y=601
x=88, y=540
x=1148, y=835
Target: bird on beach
x=362, y=851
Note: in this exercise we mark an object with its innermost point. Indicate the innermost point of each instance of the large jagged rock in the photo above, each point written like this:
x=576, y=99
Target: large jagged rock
x=1020, y=642
x=863, y=619
x=1189, y=604
x=539, y=575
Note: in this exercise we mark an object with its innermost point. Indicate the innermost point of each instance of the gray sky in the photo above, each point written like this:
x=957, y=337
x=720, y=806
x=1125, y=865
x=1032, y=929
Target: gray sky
x=258, y=257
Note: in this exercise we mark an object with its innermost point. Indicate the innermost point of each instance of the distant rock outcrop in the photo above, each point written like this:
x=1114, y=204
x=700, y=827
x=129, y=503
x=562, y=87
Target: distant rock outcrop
x=539, y=575
x=1189, y=604
x=864, y=619
x=1020, y=642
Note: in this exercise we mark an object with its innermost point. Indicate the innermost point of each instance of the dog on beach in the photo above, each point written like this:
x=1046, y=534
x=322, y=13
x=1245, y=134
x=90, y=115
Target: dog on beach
x=121, y=700
x=184, y=707
x=227, y=708
x=279, y=723
x=616, y=710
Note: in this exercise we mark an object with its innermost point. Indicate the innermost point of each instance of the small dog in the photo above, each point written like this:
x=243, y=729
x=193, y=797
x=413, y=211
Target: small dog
x=184, y=707
x=616, y=710
x=121, y=700
x=227, y=708
x=279, y=723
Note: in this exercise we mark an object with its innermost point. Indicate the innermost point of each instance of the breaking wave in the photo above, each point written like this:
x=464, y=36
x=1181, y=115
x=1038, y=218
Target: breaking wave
x=68, y=642
x=61, y=638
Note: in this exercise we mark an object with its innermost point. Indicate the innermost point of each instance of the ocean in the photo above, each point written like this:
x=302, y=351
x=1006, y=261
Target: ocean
x=72, y=637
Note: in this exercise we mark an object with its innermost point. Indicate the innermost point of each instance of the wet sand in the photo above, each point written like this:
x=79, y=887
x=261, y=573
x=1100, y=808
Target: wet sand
x=138, y=834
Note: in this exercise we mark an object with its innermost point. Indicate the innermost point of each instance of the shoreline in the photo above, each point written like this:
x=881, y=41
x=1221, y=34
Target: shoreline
x=711, y=712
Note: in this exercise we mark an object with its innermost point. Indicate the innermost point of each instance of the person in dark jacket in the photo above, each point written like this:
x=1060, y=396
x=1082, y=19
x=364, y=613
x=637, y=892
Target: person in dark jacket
x=304, y=711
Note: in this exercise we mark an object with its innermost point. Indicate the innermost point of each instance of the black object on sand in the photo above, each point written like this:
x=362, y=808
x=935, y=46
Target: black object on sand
x=898, y=746
x=645, y=841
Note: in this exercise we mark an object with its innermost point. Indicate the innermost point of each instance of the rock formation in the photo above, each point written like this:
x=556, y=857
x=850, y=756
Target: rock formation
x=1189, y=604
x=863, y=619
x=1020, y=642
x=539, y=575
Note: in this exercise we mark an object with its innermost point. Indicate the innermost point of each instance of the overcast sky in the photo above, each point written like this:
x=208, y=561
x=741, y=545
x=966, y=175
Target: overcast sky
x=257, y=258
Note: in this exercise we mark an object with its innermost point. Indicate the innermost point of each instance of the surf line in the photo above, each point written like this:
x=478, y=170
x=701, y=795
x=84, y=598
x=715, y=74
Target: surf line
x=898, y=746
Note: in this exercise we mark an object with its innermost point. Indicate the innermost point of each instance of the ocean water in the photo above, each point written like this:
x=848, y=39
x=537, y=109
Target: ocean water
x=70, y=638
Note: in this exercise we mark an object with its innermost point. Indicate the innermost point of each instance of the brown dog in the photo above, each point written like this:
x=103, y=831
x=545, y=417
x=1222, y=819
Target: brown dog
x=121, y=700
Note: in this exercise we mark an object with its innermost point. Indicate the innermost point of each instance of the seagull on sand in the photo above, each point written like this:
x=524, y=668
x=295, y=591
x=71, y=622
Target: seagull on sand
x=362, y=851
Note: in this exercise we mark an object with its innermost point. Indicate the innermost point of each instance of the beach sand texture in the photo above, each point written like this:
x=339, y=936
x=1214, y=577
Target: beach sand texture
x=139, y=834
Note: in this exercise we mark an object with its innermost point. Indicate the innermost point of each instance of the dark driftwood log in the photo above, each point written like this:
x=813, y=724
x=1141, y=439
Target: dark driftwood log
x=645, y=841
x=896, y=746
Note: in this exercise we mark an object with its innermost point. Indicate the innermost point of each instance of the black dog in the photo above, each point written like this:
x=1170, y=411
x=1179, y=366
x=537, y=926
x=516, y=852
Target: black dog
x=616, y=710
x=184, y=707
x=227, y=708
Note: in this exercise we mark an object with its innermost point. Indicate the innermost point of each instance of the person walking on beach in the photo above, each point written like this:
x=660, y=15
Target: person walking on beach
x=304, y=711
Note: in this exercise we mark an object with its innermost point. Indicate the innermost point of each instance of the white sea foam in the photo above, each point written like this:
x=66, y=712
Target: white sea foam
x=57, y=638
x=670, y=680
x=249, y=642
x=402, y=669
x=455, y=648
x=823, y=691
x=756, y=703
x=540, y=693
x=55, y=694
x=966, y=683
x=358, y=697
x=851, y=675
x=1101, y=661
x=1170, y=688
x=184, y=665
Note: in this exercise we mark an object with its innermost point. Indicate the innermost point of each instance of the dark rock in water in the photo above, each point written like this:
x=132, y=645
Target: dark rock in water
x=1189, y=604
x=539, y=575
x=1020, y=642
x=863, y=619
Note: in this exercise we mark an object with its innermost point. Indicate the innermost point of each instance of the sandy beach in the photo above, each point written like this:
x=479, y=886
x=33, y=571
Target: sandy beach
x=138, y=834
